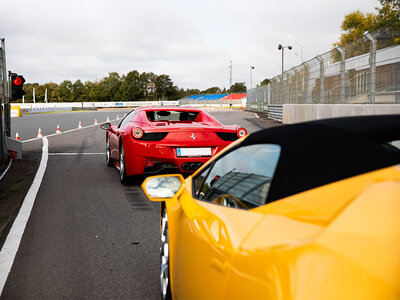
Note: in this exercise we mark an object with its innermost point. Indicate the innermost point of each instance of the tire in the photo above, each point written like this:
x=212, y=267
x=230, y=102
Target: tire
x=164, y=259
x=109, y=162
x=122, y=171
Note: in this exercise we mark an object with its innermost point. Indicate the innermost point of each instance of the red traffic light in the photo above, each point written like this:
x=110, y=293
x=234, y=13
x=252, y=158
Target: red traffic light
x=18, y=81
x=17, y=84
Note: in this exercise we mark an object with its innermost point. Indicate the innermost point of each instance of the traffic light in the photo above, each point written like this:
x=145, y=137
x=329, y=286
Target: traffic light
x=17, y=86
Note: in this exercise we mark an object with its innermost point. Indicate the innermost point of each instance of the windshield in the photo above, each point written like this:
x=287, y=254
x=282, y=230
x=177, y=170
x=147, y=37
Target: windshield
x=171, y=115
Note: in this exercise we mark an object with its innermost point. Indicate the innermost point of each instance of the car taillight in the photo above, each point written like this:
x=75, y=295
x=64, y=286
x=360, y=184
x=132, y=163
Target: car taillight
x=241, y=132
x=137, y=132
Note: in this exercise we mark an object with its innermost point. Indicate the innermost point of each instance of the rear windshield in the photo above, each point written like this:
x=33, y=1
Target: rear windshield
x=171, y=115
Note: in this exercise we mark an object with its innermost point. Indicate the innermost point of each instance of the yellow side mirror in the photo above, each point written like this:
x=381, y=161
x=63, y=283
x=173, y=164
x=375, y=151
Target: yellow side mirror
x=163, y=187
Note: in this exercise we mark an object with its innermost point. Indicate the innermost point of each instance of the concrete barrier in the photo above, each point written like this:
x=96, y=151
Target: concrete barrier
x=48, y=109
x=295, y=113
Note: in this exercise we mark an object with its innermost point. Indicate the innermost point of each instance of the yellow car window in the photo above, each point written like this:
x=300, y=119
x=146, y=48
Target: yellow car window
x=240, y=179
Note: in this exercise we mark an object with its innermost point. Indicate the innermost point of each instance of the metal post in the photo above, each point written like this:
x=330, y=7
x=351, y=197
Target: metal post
x=296, y=86
x=372, y=67
x=342, y=73
x=287, y=87
x=7, y=108
x=281, y=100
x=321, y=78
x=307, y=86
x=251, y=79
x=372, y=73
x=280, y=47
x=6, y=92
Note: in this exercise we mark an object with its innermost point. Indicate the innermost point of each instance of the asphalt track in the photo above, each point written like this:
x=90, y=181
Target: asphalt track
x=88, y=236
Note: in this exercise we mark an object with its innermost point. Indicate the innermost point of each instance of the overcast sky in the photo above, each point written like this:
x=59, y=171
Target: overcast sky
x=192, y=41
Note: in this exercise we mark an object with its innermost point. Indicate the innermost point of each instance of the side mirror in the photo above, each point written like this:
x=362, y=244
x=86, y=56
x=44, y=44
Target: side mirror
x=105, y=126
x=163, y=187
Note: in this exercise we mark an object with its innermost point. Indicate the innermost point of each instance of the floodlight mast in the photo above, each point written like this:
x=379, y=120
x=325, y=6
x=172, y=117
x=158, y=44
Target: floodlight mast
x=230, y=74
x=280, y=47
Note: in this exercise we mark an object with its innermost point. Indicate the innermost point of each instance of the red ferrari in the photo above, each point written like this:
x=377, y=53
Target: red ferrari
x=151, y=140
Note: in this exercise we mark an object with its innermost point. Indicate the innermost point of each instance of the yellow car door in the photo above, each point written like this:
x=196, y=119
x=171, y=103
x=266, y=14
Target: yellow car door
x=215, y=218
x=204, y=246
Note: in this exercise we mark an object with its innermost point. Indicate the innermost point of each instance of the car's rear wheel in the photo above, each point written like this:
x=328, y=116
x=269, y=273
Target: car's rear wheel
x=122, y=171
x=109, y=163
x=164, y=258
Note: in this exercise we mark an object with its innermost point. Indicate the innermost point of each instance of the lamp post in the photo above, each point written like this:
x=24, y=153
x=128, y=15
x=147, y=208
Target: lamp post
x=251, y=77
x=280, y=47
x=230, y=75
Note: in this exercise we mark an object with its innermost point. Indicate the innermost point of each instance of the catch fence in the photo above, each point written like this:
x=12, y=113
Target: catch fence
x=366, y=70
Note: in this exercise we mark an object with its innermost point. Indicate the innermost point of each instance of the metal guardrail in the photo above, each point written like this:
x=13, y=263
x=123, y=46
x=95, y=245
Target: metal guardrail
x=275, y=112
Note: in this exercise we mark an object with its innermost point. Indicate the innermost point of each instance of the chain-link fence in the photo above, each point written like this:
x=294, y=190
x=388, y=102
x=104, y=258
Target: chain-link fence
x=366, y=70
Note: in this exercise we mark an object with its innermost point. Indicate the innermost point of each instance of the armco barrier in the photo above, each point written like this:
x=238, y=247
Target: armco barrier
x=275, y=112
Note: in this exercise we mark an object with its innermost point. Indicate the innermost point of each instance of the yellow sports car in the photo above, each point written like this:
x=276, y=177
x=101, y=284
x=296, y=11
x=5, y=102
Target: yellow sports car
x=303, y=211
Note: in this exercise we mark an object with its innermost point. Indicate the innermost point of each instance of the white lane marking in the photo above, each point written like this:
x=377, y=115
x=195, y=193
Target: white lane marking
x=66, y=131
x=70, y=153
x=11, y=245
x=257, y=116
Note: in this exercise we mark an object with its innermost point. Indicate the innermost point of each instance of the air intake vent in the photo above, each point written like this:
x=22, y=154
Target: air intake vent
x=153, y=136
x=227, y=136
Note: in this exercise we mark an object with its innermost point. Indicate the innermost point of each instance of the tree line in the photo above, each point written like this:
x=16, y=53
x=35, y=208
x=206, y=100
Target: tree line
x=385, y=23
x=133, y=86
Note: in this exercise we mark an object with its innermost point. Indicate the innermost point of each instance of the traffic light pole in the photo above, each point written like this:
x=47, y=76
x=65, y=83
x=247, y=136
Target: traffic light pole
x=7, y=110
x=3, y=94
x=9, y=148
x=6, y=92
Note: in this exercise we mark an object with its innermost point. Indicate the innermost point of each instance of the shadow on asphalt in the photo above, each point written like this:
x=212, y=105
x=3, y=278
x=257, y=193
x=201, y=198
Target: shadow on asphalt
x=13, y=189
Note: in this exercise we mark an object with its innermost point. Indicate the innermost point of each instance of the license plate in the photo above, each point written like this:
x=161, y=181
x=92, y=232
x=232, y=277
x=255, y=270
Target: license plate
x=193, y=152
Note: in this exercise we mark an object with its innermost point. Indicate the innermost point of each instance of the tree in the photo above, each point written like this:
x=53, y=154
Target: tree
x=266, y=81
x=64, y=91
x=355, y=24
x=131, y=88
x=77, y=91
x=238, y=87
x=51, y=91
x=28, y=88
x=109, y=86
x=212, y=90
x=164, y=87
x=388, y=18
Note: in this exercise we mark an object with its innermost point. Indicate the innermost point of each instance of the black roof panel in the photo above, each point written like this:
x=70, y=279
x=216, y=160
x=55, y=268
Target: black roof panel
x=321, y=152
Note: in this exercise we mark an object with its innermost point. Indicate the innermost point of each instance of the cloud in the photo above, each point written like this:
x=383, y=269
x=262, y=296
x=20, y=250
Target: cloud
x=192, y=41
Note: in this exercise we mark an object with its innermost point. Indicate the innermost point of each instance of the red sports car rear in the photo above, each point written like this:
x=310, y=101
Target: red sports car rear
x=151, y=140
